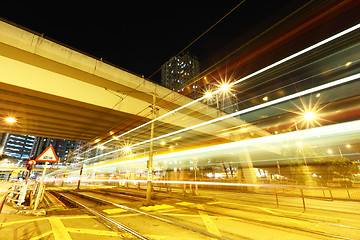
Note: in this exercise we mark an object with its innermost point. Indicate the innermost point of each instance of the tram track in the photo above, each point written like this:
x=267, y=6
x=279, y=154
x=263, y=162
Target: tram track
x=73, y=203
x=246, y=209
x=236, y=214
x=219, y=211
x=70, y=201
x=257, y=200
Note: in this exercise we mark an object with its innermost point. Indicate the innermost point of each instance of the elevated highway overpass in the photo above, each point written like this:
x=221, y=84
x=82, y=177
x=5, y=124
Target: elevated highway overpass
x=55, y=91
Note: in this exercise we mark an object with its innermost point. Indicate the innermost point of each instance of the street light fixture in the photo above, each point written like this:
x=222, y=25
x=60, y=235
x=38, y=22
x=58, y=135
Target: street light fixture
x=224, y=87
x=208, y=95
x=127, y=149
x=10, y=120
x=309, y=116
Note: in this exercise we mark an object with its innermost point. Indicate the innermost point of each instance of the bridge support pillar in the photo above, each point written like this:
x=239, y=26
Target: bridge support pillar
x=248, y=169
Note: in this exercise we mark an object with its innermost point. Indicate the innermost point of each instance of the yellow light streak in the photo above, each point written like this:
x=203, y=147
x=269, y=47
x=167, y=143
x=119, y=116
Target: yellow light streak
x=323, y=42
x=260, y=106
x=325, y=131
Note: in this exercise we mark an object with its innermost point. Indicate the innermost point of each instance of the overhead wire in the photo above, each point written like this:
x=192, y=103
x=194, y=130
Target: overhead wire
x=195, y=40
x=206, y=31
x=308, y=49
x=190, y=44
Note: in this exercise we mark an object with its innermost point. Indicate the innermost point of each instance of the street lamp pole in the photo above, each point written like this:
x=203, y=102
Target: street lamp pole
x=149, y=165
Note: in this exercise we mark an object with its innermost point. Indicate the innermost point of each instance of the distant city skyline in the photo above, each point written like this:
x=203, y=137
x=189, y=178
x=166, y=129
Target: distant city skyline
x=23, y=147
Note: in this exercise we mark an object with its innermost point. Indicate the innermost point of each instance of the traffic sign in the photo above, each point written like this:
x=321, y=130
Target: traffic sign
x=48, y=155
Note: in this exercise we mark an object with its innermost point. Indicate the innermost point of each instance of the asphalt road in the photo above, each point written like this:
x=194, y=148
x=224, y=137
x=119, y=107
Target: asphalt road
x=226, y=214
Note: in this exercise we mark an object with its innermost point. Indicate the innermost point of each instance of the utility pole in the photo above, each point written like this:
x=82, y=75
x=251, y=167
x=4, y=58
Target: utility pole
x=149, y=164
x=79, y=181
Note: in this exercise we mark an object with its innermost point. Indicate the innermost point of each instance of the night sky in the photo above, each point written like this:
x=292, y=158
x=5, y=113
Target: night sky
x=141, y=35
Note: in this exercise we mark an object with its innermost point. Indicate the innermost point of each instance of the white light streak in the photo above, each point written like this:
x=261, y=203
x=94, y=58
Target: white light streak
x=257, y=107
x=187, y=182
x=338, y=35
x=325, y=132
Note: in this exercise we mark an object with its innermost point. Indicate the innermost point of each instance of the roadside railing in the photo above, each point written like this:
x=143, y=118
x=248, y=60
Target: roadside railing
x=2, y=200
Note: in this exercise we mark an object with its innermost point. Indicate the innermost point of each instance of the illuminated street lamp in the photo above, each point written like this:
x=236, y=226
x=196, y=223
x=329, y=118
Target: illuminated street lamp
x=208, y=95
x=127, y=149
x=224, y=87
x=309, y=116
x=10, y=120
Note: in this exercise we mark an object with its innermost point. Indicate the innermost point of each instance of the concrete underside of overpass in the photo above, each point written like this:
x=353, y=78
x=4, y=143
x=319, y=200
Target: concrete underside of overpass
x=55, y=91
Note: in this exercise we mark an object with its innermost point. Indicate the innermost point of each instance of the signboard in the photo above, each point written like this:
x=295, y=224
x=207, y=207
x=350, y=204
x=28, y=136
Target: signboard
x=48, y=155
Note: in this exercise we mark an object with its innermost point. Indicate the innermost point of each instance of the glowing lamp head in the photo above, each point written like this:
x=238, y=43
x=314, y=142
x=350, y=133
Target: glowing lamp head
x=309, y=116
x=208, y=95
x=127, y=149
x=10, y=120
x=31, y=162
x=224, y=87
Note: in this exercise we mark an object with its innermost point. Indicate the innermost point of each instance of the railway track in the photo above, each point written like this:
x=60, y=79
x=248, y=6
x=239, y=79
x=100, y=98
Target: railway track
x=234, y=214
x=70, y=201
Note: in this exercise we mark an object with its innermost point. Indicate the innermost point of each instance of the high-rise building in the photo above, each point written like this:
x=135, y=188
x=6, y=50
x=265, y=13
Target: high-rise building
x=61, y=147
x=17, y=146
x=178, y=70
x=23, y=147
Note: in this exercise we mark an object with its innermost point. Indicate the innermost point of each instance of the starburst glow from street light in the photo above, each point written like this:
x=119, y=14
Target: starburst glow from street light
x=127, y=149
x=312, y=90
x=10, y=120
x=208, y=95
x=224, y=87
x=309, y=116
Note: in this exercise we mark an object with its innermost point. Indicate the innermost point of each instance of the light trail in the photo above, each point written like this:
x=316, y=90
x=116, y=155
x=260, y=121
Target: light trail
x=336, y=36
x=188, y=183
x=266, y=104
x=325, y=132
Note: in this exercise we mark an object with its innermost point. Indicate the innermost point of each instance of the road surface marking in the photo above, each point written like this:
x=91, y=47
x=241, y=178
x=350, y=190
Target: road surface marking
x=156, y=207
x=41, y=235
x=58, y=229
x=267, y=210
x=114, y=210
x=96, y=232
x=185, y=203
x=280, y=213
x=41, y=219
x=198, y=216
x=210, y=203
x=210, y=225
x=75, y=217
x=126, y=215
x=22, y=221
